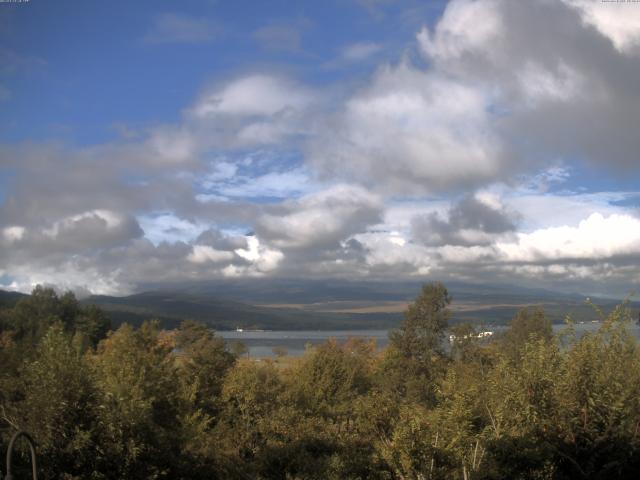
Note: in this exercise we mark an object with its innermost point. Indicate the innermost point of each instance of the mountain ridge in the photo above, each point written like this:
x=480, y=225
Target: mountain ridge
x=317, y=305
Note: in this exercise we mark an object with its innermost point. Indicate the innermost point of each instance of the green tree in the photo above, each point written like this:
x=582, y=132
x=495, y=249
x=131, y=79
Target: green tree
x=92, y=323
x=415, y=356
x=204, y=362
x=139, y=404
x=32, y=316
x=54, y=399
x=464, y=342
x=251, y=395
x=529, y=324
x=596, y=433
x=331, y=376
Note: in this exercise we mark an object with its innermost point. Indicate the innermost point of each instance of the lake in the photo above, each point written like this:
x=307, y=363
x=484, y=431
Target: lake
x=261, y=343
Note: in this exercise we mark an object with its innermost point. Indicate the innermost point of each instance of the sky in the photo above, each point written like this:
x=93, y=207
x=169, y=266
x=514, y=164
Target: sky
x=158, y=142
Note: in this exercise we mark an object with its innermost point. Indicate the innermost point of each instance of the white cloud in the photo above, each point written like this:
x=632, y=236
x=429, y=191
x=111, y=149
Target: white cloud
x=467, y=26
x=412, y=130
x=262, y=258
x=500, y=93
x=257, y=94
x=389, y=250
x=69, y=275
x=556, y=90
x=172, y=146
x=595, y=238
x=540, y=210
x=539, y=84
x=13, y=233
x=205, y=254
x=252, y=110
x=618, y=21
x=109, y=219
x=321, y=218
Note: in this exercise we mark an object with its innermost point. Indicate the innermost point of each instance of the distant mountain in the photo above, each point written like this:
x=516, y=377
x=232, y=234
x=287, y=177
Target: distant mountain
x=9, y=299
x=475, y=303
x=280, y=290
x=280, y=304
x=173, y=307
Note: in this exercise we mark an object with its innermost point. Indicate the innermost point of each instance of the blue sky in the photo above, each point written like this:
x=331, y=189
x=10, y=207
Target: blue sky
x=363, y=139
x=86, y=67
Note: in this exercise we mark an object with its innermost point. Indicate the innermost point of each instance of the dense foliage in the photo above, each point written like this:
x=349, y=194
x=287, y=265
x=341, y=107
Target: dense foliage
x=149, y=404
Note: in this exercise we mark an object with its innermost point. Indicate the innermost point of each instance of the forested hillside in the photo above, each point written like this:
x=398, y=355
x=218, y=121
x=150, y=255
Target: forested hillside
x=147, y=403
x=223, y=314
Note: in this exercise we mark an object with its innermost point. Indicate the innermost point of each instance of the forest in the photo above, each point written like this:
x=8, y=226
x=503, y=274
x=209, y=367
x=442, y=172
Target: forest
x=148, y=403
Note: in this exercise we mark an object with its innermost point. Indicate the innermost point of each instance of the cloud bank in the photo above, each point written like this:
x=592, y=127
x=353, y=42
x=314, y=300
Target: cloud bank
x=459, y=160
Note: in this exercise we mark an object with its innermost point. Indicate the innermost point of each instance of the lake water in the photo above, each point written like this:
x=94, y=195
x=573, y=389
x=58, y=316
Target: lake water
x=261, y=343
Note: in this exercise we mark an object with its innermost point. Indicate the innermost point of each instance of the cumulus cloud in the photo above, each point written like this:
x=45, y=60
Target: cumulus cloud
x=560, y=87
x=257, y=94
x=205, y=253
x=448, y=162
x=263, y=259
x=13, y=233
x=93, y=229
x=594, y=238
x=598, y=254
x=320, y=219
x=411, y=131
x=466, y=27
x=620, y=22
x=253, y=110
x=506, y=86
x=475, y=220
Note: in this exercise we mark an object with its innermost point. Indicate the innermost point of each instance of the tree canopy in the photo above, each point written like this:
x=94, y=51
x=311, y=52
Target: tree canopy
x=146, y=403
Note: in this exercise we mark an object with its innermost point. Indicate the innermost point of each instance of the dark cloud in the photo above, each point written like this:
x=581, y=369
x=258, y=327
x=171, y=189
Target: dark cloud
x=469, y=222
x=561, y=86
x=215, y=239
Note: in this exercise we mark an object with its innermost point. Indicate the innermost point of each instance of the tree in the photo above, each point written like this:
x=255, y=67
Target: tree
x=464, y=344
x=597, y=430
x=415, y=355
x=528, y=325
x=32, y=316
x=139, y=403
x=204, y=362
x=93, y=323
x=331, y=376
x=54, y=400
x=251, y=397
x=425, y=322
